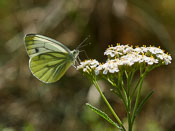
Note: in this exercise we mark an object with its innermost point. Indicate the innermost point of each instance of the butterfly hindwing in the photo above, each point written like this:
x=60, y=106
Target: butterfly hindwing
x=51, y=66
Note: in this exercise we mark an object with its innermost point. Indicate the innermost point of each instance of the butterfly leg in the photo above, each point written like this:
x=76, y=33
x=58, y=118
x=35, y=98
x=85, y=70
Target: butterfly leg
x=79, y=60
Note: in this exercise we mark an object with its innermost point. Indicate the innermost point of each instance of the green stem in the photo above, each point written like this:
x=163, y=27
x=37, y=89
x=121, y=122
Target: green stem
x=123, y=90
x=129, y=115
x=136, y=86
x=133, y=92
x=109, y=106
x=113, y=84
x=129, y=79
x=137, y=98
x=119, y=92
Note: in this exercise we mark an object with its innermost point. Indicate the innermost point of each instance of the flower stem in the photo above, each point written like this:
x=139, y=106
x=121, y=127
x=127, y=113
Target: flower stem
x=119, y=92
x=109, y=106
x=137, y=97
x=129, y=79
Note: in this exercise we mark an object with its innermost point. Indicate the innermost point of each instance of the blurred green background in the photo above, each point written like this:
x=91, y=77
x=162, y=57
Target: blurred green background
x=26, y=104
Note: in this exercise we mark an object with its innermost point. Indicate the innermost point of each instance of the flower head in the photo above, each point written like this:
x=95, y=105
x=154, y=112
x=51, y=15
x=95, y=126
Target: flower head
x=118, y=50
x=88, y=65
x=123, y=57
x=164, y=58
x=109, y=67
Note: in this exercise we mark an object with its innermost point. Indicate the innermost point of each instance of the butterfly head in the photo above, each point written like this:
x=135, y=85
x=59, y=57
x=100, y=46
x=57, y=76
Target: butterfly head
x=75, y=53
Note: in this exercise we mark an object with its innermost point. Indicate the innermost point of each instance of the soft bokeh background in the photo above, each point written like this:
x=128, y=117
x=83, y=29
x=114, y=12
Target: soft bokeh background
x=26, y=104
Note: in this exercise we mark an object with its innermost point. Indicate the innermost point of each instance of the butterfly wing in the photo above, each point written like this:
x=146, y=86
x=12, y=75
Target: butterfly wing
x=38, y=44
x=50, y=67
x=49, y=59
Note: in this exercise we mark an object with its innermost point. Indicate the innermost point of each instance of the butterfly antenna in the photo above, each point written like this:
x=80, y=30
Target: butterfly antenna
x=85, y=45
x=81, y=44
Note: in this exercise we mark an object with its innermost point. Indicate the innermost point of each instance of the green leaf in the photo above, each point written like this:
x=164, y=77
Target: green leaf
x=102, y=114
x=143, y=101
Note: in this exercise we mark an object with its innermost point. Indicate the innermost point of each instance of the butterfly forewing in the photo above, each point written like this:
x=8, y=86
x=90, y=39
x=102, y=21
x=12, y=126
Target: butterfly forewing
x=37, y=44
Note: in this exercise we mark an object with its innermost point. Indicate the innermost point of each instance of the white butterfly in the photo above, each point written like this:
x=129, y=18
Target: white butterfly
x=49, y=59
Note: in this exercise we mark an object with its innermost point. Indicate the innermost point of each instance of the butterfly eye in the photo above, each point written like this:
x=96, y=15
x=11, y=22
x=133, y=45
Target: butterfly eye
x=36, y=50
x=75, y=52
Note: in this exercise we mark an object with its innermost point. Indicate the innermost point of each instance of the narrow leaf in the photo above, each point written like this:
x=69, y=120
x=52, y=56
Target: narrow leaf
x=102, y=114
x=143, y=101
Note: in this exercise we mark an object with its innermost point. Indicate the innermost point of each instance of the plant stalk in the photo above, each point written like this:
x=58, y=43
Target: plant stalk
x=109, y=106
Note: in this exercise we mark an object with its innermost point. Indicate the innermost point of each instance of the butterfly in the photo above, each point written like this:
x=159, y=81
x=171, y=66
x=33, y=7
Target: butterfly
x=49, y=59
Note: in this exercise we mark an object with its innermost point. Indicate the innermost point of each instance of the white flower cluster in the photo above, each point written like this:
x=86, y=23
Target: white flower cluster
x=110, y=66
x=124, y=56
x=143, y=54
x=118, y=50
x=88, y=65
